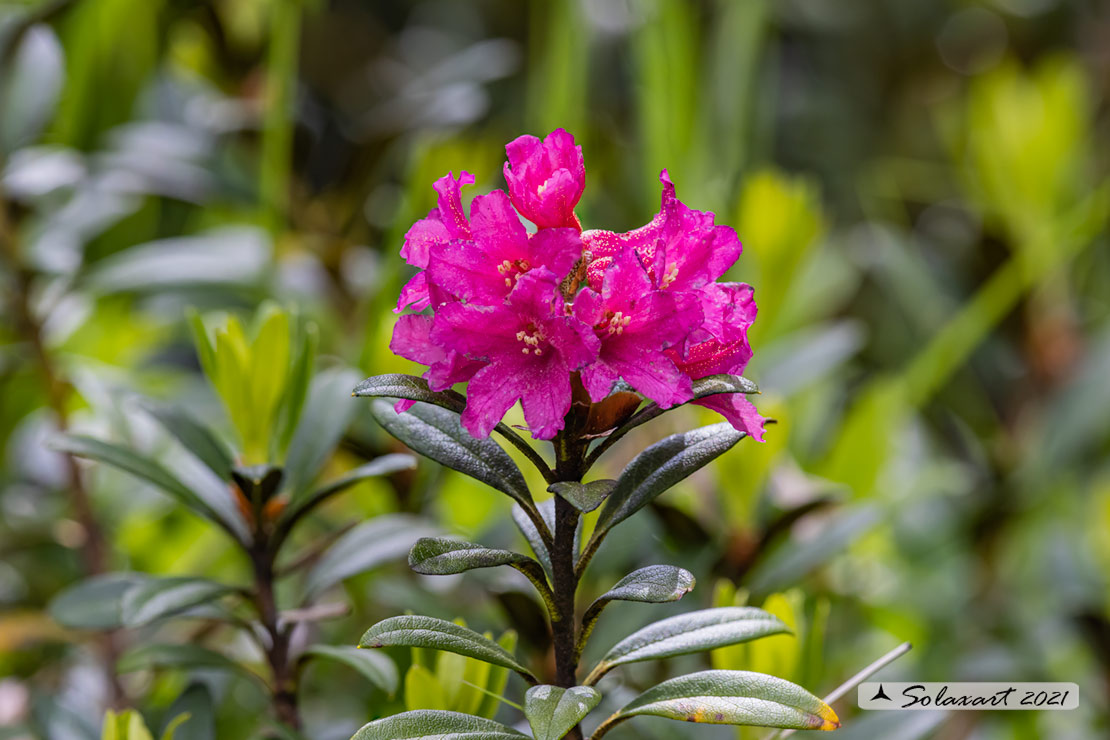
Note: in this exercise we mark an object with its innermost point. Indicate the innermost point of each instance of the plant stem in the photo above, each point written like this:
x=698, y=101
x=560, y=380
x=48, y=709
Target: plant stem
x=94, y=547
x=569, y=466
x=283, y=672
x=565, y=585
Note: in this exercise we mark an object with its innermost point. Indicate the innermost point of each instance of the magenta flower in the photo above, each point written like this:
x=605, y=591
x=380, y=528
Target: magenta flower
x=485, y=269
x=412, y=340
x=720, y=345
x=682, y=248
x=445, y=223
x=546, y=178
x=510, y=314
x=636, y=323
x=531, y=346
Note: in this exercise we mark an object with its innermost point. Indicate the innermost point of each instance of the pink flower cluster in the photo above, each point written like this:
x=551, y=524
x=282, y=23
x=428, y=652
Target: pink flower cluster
x=516, y=313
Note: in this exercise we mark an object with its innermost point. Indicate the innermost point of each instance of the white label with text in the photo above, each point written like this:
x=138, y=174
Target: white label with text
x=980, y=696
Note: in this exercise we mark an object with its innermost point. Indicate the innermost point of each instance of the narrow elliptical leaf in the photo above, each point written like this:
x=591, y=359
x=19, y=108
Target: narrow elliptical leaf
x=731, y=698
x=438, y=634
x=430, y=724
x=438, y=434
x=689, y=633
x=553, y=711
x=375, y=666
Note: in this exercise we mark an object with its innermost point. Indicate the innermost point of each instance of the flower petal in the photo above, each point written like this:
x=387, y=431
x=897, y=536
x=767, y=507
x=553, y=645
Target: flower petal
x=415, y=294
x=738, y=410
x=546, y=178
x=546, y=397
x=478, y=331
x=556, y=249
x=489, y=395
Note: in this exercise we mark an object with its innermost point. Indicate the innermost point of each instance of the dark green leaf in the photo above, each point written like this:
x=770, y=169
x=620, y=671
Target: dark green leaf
x=327, y=412
x=300, y=376
x=790, y=563
x=370, y=544
x=661, y=466
x=711, y=385
x=584, y=496
x=438, y=434
x=94, y=604
x=384, y=465
x=440, y=556
x=196, y=702
x=375, y=666
x=693, y=632
x=532, y=535
x=176, y=655
x=222, y=512
x=156, y=598
x=553, y=711
x=195, y=437
x=228, y=254
x=436, y=725
x=733, y=698
x=655, y=584
x=408, y=387
x=33, y=77
x=439, y=634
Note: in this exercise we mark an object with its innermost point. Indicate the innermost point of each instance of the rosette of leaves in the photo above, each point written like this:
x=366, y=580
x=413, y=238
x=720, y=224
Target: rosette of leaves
x=556, y=704
x=281, y=411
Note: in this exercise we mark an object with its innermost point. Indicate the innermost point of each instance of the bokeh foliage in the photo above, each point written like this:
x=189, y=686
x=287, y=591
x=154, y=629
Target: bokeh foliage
x=922, y=192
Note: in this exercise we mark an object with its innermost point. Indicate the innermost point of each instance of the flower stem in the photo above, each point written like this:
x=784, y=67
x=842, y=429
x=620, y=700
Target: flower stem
x=569, y=466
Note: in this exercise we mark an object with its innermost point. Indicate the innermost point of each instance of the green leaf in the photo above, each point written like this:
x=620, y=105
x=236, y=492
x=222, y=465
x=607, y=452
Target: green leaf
x=655, y=584
x=435, y=725
x=31, y=84
x=375, y=666
x=528, y=528
x=326, y=415
x=584, y=496
x=553, y=711
x=127, y=725
x=793, y=561
x=439, y=634
x=223, y=513
x=194, y=436
x=410, y=388
x=156, y=598
x=423, y=689
x=384, y=465
x=171, y=729
x=440, y=556
x=180, y=656
x=438, y=434
x=661, y=466
x=196, y=703
x=269, y=365
x=693, y=632
x=733, y=698
x=300, y=377
x=497, y=680
x=370, y=544
x=712, y=385
x=94, y=604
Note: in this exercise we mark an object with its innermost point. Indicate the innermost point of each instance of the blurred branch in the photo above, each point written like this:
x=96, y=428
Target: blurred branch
x=94, y=547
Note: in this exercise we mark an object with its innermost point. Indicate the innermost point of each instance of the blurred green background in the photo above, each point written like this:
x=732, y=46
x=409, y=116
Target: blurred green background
x=922, y=191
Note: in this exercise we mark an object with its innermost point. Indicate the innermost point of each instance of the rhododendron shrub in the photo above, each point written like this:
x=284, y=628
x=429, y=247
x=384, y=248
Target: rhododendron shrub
x=594, y=333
